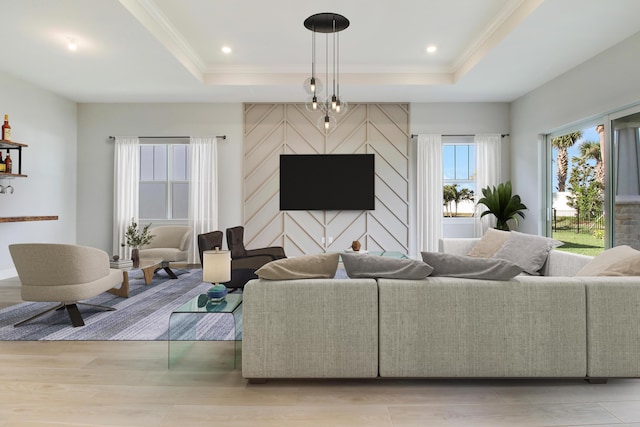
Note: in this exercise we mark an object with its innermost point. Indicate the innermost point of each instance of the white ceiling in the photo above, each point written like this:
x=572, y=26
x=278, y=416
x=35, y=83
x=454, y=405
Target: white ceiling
x=170, y=50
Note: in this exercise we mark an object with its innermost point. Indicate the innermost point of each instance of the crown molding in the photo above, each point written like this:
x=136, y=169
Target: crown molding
x=149, y=14
x=497, y=30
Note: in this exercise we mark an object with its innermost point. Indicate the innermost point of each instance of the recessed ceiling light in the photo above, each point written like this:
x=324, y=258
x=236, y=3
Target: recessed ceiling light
x=431, y=49
x=73, y=44
x=226, y=49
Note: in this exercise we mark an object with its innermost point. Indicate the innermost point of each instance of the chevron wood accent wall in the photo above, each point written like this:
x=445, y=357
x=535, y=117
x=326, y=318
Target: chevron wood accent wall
x=274, y=129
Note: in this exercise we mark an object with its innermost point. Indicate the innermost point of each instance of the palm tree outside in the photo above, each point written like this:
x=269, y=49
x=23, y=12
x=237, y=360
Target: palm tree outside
x=591, y=150
x=563, y=143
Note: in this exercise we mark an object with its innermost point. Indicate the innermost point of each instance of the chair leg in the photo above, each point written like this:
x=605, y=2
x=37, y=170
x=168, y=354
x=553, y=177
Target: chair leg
x=104, y=307
x=165, y=266
x=74, y=315
x=72, y=310
x=57, y=307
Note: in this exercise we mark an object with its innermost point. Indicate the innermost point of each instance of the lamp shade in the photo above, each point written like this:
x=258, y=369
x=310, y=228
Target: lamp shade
x=216, y=266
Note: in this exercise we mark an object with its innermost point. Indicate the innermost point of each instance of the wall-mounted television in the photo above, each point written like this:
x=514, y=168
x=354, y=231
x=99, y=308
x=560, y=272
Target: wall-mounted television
x=327, y=182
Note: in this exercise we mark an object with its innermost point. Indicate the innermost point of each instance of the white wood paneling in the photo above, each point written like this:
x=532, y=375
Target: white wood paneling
x=274, y=129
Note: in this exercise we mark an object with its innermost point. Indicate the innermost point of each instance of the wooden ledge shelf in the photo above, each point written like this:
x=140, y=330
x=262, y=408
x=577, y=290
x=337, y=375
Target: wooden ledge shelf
x=27, y=218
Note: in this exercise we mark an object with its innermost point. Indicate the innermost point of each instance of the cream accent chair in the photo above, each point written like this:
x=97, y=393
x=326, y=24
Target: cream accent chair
x=63, y=273
x=170, y=243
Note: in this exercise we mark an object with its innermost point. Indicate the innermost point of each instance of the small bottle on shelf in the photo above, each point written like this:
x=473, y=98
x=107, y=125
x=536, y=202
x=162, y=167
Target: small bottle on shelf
x=3, y=167
x=8, y=163
x=6, y=129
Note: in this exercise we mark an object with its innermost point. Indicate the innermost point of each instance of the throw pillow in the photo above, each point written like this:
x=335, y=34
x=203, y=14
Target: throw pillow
x=618, y=261
x=489, y=244
x=302, y=267
x=527, y=251
x=470, y=267
x=370, y=266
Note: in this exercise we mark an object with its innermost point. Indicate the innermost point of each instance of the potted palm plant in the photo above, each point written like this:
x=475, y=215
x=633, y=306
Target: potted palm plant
x=501, y=204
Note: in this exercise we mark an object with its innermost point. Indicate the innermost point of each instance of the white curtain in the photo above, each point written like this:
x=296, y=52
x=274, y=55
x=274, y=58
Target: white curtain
x=203, y=191
x=488, y=173
x=126, y=173
x=429, y=192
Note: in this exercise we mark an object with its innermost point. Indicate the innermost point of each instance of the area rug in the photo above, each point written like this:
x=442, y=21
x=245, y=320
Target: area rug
x=144, y=316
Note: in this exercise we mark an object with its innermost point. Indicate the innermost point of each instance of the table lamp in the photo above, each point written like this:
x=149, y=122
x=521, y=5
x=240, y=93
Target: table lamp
x=216, y=268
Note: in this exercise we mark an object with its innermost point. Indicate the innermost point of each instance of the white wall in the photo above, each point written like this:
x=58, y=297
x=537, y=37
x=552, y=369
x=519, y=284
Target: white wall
x=96, y=122
x=47, y=124
x=454, y=119
x=605, y=83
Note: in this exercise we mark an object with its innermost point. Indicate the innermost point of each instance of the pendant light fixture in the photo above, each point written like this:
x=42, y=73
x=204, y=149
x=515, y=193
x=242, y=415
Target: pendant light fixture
x=328, y=24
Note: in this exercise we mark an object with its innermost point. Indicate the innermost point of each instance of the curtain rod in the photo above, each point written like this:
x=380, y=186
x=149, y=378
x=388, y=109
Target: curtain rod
x=413, y=135
x=172, y=137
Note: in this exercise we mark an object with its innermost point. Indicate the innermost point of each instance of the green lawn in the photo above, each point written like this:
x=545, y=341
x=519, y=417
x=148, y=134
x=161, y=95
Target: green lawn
x=584, y=244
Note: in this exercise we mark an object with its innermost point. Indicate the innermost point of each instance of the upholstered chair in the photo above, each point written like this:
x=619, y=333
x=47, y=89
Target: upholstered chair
x=209, y=241
x=64, y=274
x=235, y=243
x=170, y=243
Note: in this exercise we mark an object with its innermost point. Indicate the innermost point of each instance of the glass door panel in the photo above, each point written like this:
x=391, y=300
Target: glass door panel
x=624, y=175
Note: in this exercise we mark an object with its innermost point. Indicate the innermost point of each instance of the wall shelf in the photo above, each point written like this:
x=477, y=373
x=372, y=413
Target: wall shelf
x=28, y=218
x=12, y=145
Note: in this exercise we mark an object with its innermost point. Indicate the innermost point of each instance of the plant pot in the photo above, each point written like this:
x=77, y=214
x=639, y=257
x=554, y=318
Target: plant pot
x=135, y=257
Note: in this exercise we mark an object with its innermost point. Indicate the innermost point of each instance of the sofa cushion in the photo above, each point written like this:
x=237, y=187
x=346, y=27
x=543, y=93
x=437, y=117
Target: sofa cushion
x=527, y=250
x=301, y=267
x=470, y=267
x=617, y=261
x=370, y=266
x=489, y=244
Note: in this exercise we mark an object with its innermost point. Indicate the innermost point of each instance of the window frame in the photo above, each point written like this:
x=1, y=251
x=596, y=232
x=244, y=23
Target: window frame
x=468, y=141
x=168, y=181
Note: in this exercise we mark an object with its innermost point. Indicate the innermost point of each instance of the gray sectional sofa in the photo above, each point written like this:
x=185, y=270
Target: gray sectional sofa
x=552, y=325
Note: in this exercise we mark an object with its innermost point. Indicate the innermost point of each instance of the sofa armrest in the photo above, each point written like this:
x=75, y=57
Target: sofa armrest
x=562, y=263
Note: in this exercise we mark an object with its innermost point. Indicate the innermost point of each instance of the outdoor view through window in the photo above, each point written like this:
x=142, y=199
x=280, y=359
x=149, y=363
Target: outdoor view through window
x=578, y=190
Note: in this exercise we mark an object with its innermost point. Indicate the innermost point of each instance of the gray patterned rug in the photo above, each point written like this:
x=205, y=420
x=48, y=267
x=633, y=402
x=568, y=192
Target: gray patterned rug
x=144, y=316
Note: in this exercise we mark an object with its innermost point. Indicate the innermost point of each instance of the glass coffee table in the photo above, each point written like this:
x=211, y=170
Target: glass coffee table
x=146, y=266
x=189, y=323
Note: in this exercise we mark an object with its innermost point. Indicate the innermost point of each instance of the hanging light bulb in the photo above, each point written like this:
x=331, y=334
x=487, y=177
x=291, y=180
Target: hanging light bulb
x=326, y=122
x=341, y=106
x=334, y=102
x=312, y=104
x=317, y=83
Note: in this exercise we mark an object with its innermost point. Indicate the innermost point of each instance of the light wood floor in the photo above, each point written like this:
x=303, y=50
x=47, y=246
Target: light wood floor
x=97, y=383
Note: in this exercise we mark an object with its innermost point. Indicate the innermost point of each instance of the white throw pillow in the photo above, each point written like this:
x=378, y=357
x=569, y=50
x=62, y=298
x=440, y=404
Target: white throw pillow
x=527, y=251
x=489, y=244
x=618, y=261
x=301, y=267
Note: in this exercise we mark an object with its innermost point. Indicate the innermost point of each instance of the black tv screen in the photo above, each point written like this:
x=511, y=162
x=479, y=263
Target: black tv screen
x=327, y=182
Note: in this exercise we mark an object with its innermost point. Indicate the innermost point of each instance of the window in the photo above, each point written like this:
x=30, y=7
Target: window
x=164, y=182
x=459, y=169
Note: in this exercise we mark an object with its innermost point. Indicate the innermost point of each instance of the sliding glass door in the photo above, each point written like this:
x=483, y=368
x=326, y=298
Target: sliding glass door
x=623, y=199
x=594, y=177
x=577, y=193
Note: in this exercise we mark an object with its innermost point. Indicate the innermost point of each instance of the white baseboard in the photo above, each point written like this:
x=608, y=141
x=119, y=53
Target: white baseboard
x=8, y=274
